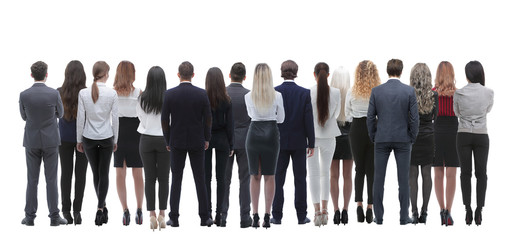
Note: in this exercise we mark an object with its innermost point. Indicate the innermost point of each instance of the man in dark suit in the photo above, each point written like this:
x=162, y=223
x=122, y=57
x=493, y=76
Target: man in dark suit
x=40, y=106
x=186, y=123
x=241, y=125
x=395, y=128
x=297, y=134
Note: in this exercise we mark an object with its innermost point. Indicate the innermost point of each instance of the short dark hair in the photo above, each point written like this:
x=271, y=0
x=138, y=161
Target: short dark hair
x=394, y=67
x=238, y=72
x=186, y=70
x=39, y=70
x=475, y=72
x=289, y=69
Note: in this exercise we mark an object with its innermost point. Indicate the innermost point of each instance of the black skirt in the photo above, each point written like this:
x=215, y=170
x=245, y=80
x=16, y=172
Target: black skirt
x=342, y=150
x=128, y=143
x=423, y=151
x=446, y=155
x=262, y=146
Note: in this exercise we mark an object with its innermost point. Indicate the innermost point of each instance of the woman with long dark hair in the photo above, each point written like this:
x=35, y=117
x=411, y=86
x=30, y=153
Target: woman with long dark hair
x=222, y=131
x=471, y=104
x=74, y=81
x=423, y=150
x=97, y=132
x=328, y=104
x=152, y=145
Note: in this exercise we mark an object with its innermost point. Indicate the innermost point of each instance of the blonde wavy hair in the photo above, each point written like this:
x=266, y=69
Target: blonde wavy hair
x=341, y=80
x=420, y=79
x=366, y=77
x=263, y=92
x=445, y=83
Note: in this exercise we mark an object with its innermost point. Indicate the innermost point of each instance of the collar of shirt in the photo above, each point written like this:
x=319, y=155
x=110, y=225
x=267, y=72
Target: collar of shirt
x=239, y=83
x=289, y=80
x=39, y=83
x=185, y=82
x=394, y=79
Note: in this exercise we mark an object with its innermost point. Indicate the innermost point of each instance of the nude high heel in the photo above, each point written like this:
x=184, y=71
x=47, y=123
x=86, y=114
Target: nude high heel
x=153, y=223
x=161, y=222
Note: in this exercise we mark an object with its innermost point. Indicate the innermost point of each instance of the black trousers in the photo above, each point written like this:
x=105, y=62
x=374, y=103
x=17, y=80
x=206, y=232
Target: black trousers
x=244, y=177
x=220, y=143
x=298, y=157
x=363, y=153
x=156, y=165
x=178, y=162
x=469, y=144
x=66, y=151
x=99, y=154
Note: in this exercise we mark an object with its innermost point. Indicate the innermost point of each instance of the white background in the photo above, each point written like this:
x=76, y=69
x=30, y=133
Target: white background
x=209, y=33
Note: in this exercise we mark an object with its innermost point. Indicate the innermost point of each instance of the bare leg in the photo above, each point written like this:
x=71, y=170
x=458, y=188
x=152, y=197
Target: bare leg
x=347, y=182
x=439, y=174
x=450, y=174
x=269, y=192
x=120, y=185
x=139, y=186
x=335, y=188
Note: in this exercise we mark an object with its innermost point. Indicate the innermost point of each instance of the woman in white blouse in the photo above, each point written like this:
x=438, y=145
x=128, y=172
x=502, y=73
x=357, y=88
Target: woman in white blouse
x=265, y=108
x=128, y=155
x=97, y=132
x=152, y=145
x=327, y=102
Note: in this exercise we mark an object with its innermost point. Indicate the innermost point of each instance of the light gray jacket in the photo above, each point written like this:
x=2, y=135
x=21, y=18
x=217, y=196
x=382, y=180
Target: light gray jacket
x=471, y=104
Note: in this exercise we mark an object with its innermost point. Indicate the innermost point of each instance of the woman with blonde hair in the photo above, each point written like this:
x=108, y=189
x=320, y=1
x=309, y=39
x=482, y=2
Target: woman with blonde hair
x=446, y=128
x=128, y=146
x=341, y=81
x=366, y=77
x=423, y=150
x=266, y=110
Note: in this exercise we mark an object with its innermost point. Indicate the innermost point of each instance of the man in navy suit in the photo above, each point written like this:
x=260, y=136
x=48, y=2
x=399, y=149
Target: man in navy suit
x=392, y=122
x=186, y=123
x=297, y=134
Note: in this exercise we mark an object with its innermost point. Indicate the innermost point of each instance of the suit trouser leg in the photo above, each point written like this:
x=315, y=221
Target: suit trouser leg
x=280, y=177
x=299, y=175
x=33, y=159
x=178, y=160
x=382, y=152
x=402, y=153
x=244, y=180
x=198, y=168
x=51, y=161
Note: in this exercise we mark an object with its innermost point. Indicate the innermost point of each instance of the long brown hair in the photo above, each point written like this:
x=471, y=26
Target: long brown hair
x=215, y=87
x=74, y=81
x=445, y=83
x=125, y=76
x=323, y=90
x=100, y=70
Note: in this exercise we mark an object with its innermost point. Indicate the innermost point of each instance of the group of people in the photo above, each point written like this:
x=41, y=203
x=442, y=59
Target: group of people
x=152, y=131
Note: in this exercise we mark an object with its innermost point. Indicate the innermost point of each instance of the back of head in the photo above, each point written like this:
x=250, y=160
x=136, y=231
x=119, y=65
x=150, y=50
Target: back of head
x=74, y=81
x=323, y=91
x=420, y=79
x=366, y=77
x=186, y=70
x=100, y=70
x=475, y=72
x=341, y=80
x=263, y=92
x=39, y=70
x=238, y=72
x=215, y=87
x=445, y=82
x=289, y=70
x=151, y=100
x=124, y=78
x=394, y=68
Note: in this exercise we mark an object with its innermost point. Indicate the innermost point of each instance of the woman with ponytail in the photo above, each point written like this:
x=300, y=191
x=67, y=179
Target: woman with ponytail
x=326, y=108
x=97, y=132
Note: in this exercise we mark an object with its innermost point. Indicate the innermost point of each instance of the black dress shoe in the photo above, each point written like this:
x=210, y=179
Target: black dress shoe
x=27, y=221
x=255, y=220
x=58, y=221
x=336, y=218
x=345, y=217
x=304, y=221
x=246, y=222
x=208, y=222
x=378, y=222
x=478, y=217
x=370, y=215
x=361, y=214
x=407, y=221
x=173, y=222
x=68, y=217
x=276, y=221
x=78, y=218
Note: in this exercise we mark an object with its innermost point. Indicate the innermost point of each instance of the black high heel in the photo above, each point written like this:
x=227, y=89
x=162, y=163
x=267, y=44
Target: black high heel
x=468, y=215
x=336, y=218
x=255, y=220
x=126, y=217
x=266, y=221
x=139, y=217
x=99, y=219
x=104, y=211
x=478, y=217
x=345, y=217
x=415, y=217
x=423, y=217
x=448, y=219
x=370, y=215
x=78, y=218
x=361, y=215
x=442, y=216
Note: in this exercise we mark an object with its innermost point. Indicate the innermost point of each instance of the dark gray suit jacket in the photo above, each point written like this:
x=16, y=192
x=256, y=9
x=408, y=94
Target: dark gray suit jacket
x=40, y=106
x=395, y=106
x=239, y=111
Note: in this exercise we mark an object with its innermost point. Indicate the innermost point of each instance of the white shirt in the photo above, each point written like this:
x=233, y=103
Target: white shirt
x=127, y=104
x=330, y=128
x=355, y=107
x=274, y=113
x=98, y=120
x=149, y=123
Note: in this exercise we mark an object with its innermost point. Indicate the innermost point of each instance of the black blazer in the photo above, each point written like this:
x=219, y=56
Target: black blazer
x=186, y=117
